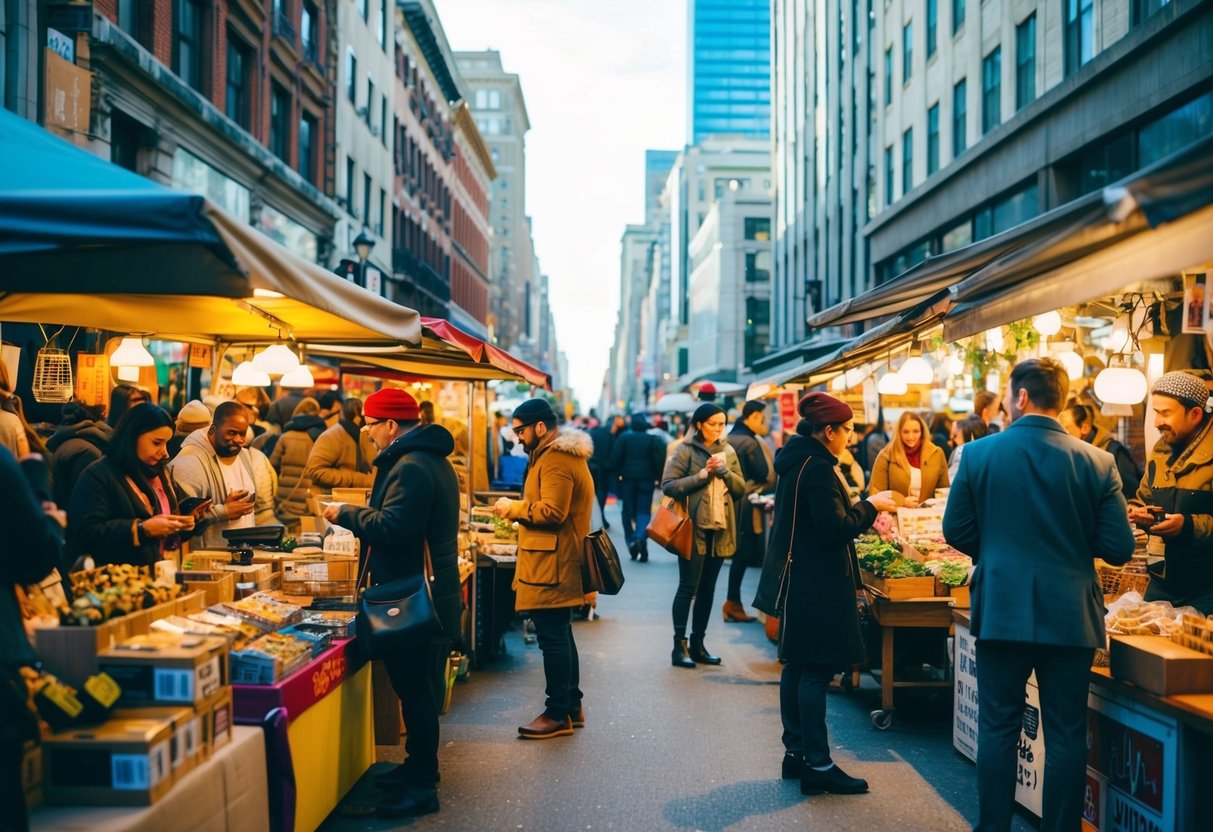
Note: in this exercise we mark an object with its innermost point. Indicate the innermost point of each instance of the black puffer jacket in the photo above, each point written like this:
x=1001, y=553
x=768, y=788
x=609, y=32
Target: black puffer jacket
x=32, y=546
x=820, y=624
x=75, y=448
x=415, y=500
x=637, y=454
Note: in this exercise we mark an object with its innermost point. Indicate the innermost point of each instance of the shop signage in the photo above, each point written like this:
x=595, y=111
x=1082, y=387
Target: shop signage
x=1132, y=759
x=61, y=45
x=1030, y=769
x=68, y=97
x=788, y=416
x=200, y=355
x=92, y=379
x=964, y=724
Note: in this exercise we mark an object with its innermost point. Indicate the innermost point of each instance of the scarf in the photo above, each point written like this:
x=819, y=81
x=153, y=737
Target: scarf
x=914, y=457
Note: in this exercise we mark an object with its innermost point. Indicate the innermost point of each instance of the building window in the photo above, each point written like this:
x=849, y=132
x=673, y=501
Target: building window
x=236, y=85
x=758, y=228
x=960, y=94
x=758, y=267
x=370, y=100
x=958, y=15
x=757, y=328
x=307, y=30
x=383, y=120
x=932, y=25
x=1025, y=62
x=280, y=122
x=128, y=17
x=907, y=161
x=349, y=184
x=907, y=51
x=888, y=76
x=364, y=10
x=888, y=176
x=187, y=42
x=382, y=211
x=991, y=90
x=932, y=139
x=1080, y=33
x=307, y=148
x=1175, y=130
x=1142, y=9
x=351, y=76
x=384, y=17
x=366, y=199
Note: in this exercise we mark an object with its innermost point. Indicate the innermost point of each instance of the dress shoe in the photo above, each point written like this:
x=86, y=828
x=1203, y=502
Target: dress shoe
x=634, y=550
x=680, y=658
x=578, y=717
x=833, y=780
x=734, y=611
x=644, y=551
x=699, y=654
x=793, y=766
x=409, y=802
x=544, y=727
x=403, y=775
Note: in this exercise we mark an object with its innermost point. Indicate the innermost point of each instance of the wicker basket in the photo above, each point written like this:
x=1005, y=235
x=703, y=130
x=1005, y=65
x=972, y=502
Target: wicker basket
x=1116, y=582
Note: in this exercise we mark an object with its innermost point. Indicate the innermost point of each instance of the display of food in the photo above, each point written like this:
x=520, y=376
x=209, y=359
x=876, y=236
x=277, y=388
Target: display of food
x=505, y=529
x=1131, y=616
x=269, y=658
x=262, y=610
x=885, y=559
x=111, y=591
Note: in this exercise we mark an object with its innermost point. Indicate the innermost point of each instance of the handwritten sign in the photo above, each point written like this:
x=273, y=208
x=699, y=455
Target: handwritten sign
x=1030, y=768
x=964, y=724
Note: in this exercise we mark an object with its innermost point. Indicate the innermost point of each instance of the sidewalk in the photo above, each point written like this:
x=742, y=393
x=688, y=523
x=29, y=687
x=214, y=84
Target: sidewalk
x=666, y=748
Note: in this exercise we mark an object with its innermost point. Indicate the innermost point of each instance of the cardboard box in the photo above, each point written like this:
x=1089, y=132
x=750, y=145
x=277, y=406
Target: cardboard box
x=218, y=589
x=31, y=774
x=331, y=568
x=123, y=762
x=1159, y=665
x=165, y=668
x=185, y=746
x=217, y=717
x=899, y=589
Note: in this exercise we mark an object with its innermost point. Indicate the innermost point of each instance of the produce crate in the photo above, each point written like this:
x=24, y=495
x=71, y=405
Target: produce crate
x=319, y=589
x=220, y=589
x=899, y=589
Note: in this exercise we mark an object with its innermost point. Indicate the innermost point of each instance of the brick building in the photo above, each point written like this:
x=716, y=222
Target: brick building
x=472, y=175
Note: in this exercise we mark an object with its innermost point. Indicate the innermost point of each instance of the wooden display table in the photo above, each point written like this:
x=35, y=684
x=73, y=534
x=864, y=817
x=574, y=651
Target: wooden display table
x=933, y=613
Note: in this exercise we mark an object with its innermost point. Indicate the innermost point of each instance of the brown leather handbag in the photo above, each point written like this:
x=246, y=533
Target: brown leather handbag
x=671, y=528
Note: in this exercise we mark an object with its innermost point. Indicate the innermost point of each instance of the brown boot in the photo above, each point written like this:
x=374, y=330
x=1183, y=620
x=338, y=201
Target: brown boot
x=736, y=612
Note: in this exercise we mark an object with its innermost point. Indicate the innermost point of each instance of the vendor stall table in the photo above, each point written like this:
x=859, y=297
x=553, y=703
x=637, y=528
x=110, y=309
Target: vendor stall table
x=933, y=613
x=328, y=739
x=226, y=793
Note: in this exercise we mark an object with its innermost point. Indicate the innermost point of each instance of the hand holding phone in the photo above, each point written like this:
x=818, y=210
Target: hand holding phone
x=239, y=503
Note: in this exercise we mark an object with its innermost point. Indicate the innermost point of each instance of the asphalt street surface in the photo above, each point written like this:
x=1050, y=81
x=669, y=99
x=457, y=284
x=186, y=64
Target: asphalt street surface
x=667, y=748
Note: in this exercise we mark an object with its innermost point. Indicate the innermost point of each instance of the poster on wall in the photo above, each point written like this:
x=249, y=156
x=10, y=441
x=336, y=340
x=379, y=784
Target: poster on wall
x=1195, y=305
x=1132, y=769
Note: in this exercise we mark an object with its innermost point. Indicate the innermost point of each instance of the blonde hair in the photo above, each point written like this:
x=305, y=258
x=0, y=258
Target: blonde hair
x=897, y=448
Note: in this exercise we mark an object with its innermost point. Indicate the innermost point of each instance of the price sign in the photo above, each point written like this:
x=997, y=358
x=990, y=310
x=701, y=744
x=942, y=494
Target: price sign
x=1030, y=770
x=964, y=725
x=200, y=355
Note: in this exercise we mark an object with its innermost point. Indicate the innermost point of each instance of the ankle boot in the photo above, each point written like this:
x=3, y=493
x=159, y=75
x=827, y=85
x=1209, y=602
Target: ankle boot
x=679, y=657
x=733, y=611
x=699, y=654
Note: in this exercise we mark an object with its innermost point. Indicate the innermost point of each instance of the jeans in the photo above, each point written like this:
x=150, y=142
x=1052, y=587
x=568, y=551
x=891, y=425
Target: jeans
x=802, y=707
x=637, y=509
x=696, y=582
x=1063, y=674
x=417, y=678
x=561, y=667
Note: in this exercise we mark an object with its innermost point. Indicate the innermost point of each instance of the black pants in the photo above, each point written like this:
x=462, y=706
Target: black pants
x=602, y=486
x=802, y=707
x=561, y=667
x=1063, y=674
x=637, y=510
x=751, y=548
x=696, y=582
x=417, y=678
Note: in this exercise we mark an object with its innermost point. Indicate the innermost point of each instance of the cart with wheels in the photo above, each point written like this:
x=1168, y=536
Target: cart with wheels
x=933, y=613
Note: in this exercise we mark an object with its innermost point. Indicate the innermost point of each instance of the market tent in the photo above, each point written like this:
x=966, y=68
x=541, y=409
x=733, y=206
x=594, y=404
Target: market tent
x=86, y=243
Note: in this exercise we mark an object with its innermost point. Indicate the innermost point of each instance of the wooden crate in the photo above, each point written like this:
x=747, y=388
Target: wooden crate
x=217, y=591
x=898, y=589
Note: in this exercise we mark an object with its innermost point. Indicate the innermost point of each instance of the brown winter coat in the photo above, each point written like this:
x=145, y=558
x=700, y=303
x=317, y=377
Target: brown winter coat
x=290, y=458
x=334, y=460
x=894, y=475
x=554, y=518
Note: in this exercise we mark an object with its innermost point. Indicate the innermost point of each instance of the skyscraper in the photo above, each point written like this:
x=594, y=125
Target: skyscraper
x=729, y=68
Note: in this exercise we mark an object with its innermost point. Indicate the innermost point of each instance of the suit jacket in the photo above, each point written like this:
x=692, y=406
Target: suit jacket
x=1033, y=506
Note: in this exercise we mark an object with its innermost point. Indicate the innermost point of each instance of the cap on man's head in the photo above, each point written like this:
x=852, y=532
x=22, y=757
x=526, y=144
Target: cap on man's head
x=532, y=411
x=1185, y=388
x=391, y=403
x=194, y=416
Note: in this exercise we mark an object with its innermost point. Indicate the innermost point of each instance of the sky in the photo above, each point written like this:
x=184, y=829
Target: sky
x=603, y=82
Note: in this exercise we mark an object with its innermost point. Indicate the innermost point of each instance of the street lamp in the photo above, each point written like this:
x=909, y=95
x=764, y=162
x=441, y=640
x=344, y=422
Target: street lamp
x=363, y=245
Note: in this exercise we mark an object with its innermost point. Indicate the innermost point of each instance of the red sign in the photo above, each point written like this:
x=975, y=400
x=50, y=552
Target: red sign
x=788, y=417
x=1130, y=760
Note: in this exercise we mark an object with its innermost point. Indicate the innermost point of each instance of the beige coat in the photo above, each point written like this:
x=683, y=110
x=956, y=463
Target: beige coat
x=554, y=518
x=333, y=462
x=888, y=475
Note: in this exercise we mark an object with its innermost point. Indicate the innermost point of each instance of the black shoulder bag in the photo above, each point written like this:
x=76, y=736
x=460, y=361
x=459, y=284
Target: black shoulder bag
x=397, y=614
x=600, y=567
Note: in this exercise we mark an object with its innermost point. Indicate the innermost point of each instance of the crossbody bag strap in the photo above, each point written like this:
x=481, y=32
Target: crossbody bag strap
x=785, y=574
x=428, y=567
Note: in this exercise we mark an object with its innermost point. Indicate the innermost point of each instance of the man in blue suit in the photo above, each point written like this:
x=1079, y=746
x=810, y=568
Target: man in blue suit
x=1033, y=506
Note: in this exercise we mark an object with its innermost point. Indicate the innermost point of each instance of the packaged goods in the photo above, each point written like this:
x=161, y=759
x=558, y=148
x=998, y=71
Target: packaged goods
x=262, y=610
x=165, y=668
x=270, y=658
x=123, y=762
x=185, y=744
x=1130, y=615
x=339, y=622
x=111, y=591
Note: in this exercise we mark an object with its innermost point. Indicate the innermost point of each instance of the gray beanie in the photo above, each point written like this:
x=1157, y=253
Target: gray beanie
x=1187, y=389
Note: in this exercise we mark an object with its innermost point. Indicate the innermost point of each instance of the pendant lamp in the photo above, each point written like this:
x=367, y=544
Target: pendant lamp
x=246, y=374
x=276, y=360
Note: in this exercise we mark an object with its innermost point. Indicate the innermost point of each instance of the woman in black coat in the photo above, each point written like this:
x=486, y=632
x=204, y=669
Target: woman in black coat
x=814, y=528
x=124, y=508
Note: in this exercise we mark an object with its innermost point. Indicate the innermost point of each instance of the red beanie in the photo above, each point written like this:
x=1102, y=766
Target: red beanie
x=823, y=409
x=390, y=403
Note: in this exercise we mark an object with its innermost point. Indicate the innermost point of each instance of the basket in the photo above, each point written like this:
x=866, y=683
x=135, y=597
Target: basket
x=52, y=383
x=1116, y=582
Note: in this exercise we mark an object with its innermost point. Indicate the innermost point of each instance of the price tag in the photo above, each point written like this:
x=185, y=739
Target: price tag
x=103, y=688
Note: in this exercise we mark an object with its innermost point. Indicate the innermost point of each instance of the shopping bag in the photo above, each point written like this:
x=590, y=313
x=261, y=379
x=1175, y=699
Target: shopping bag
x=671, y=528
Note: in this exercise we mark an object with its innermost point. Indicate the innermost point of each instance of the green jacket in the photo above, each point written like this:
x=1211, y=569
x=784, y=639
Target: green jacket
x=683, y=482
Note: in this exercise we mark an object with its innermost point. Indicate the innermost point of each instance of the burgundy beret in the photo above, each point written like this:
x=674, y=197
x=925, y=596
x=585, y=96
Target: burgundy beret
x=391, y=403
x=823, y=409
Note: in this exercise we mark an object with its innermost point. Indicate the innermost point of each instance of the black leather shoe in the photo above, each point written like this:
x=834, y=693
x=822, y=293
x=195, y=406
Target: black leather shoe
x=409, y=802
x=793, y=764
x=679, y=657
x=833, y=780
x=403, y=775
x=634, y=550
x=699, y=654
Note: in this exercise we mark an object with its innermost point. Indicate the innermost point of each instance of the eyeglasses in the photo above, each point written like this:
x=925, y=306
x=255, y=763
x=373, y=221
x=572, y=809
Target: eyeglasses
x=517, y=428
x=369, y=425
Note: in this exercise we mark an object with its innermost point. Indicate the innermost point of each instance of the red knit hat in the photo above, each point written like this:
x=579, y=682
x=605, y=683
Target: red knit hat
x=390, y=403
x=823, y=409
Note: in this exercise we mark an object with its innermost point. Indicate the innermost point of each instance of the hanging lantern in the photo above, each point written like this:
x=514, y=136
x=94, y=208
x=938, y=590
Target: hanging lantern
x=132, y=353
x=128, y=373
x=276, y=360
x=1120, y=338
x=891, y=384
x=916, y=370
x=1121, y=385
x=301, y=377
x=246, y=374
x=1048, y=323
x=1073, y=363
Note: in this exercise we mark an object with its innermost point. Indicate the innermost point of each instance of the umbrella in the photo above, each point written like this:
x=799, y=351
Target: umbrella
x=676, y=403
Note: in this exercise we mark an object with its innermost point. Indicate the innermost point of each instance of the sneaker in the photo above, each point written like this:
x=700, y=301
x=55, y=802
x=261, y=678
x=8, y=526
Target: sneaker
x=793, y=764
x=833, y=780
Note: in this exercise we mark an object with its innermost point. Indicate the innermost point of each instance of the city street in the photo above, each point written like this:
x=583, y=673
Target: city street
x=665, y=748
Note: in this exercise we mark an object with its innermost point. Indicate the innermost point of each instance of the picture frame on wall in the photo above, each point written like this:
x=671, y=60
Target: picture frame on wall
x=1196, y=304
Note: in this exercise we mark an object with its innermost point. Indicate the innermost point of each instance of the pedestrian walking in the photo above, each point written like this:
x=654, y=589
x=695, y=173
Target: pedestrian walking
x=638, y=458
x=911, y=465
x=601, y=470
x=705, y=475
x=752, y=453
x=1036, y=598
x=554, y=518
x=812, y=538
x=414, y=508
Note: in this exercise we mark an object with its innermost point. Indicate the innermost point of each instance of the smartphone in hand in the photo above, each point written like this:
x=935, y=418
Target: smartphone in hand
x=196, y=506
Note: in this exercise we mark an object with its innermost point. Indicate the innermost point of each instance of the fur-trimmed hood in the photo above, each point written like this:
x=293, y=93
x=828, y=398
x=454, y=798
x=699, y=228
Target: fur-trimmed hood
x=573, y=441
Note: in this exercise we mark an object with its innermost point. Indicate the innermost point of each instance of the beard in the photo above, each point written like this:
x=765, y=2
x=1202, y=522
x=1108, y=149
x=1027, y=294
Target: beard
x=228, y=451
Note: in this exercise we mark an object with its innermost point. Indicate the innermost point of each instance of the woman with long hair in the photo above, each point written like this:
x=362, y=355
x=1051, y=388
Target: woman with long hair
x=124, y=509
x=911, y=465
x=704, y=474
x=123, y=398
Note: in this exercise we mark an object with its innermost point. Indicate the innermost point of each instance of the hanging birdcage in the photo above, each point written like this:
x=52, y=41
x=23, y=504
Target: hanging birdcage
x=53, y=376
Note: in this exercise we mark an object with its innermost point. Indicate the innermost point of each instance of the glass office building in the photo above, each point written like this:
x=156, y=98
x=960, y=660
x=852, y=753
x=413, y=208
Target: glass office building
x=729, y=71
